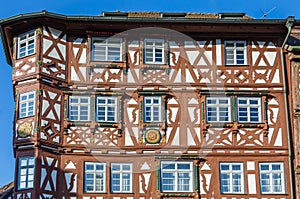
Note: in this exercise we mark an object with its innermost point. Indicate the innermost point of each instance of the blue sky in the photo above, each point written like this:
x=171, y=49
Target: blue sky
x=254, y=8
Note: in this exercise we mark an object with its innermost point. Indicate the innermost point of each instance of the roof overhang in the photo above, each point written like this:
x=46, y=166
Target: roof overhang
x=15, y=25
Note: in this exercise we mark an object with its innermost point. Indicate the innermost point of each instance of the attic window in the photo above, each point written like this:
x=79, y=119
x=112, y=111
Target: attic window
x=231, y=15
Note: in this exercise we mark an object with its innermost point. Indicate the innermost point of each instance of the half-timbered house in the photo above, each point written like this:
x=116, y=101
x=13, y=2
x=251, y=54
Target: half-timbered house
x=131, y=105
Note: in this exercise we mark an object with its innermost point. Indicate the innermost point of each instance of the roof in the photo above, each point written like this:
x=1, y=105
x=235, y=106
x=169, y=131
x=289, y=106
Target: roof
x=150, y=18
x=6, y=190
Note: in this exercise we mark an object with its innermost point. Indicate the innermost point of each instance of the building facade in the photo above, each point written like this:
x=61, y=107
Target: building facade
x=292, y=57
x=150, y=105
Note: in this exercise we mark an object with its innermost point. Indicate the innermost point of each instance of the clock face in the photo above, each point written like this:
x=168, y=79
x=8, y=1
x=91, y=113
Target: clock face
x=152, y=136
x=24, y=130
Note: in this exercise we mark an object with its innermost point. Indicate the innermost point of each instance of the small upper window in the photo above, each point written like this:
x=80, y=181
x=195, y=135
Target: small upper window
x=26, y=104
x=152, y=108
x=79, y=108
x=26, y=44
x=107, y=109
x=236, y=52
x=154, y=51
x=249, y=109
x=107, y=49
x=272, y=178
x=177, y=176
x=232, y=177
x=218, y=109
x=26, y=172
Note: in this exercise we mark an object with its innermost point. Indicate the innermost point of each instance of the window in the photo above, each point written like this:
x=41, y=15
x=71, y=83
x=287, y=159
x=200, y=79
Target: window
x=218, y=109
x=249, y=109
x=271, y=177
x=107, y=109
x=154, y=51
x=236, y=52
x=107, y=49
x=232, y=177
x=26, y=172
x=176, y=176
x=152, y=109
x=79, y=108
x=26, y=44
x=121, y=177
x=26, y=104
x=94, y=178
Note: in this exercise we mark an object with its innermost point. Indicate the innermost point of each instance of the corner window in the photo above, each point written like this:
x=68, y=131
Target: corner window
x=26, y=172
x=106, y=49
x=79, y=108
x=107, y=109
x=272, y=178
x=236, y=52
x=177, y=176
x=154, y=51
x=26, y=104
x=26, y=44
x=152, y=109
x=121, y=177
x=94, y=177
x=249, y=109
x=218, y=109
x=232, y=178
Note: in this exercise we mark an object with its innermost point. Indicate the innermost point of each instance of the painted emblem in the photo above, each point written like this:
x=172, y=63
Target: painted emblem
x=152, y=136
x=24, y=130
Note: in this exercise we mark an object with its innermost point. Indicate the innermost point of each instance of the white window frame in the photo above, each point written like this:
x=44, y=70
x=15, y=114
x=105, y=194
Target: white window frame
x=80, y=105
x=249, y=106
x=26, y=171
x=95, y=179
x=152, y=50
x=218, y=106
x=122, y=181
x=152, y=107
x=25, y=39
x=231, y=174
x=107, y=44
x=27, y=106
x=106, y=106
x=234, y=52
x=177, y=171
x=271, y=179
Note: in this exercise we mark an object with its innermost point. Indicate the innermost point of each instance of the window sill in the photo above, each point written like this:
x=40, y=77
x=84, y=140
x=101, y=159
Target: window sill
x=97, y=124
x=26, y=56
x=240, y=125
x=25, y=117
x=107, y=64
x=236, y=65
x=177, y=194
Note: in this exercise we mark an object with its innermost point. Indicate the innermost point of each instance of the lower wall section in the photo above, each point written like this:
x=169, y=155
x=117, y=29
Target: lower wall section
x=155, y=176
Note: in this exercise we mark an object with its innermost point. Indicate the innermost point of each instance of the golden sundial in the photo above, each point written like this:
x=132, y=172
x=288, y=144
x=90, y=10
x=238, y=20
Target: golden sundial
x=152, y=136
x=24, y=130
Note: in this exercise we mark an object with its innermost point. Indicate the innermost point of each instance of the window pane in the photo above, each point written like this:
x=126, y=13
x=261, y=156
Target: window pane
x=26, y=44
x=271, y=178
x=176, y=177
x=218, y=109
x=231, y=177
x=154, y=51
x=235, y=52
x=26, y=104
x=79, y=108
x=105, y=49
x=26, y=172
